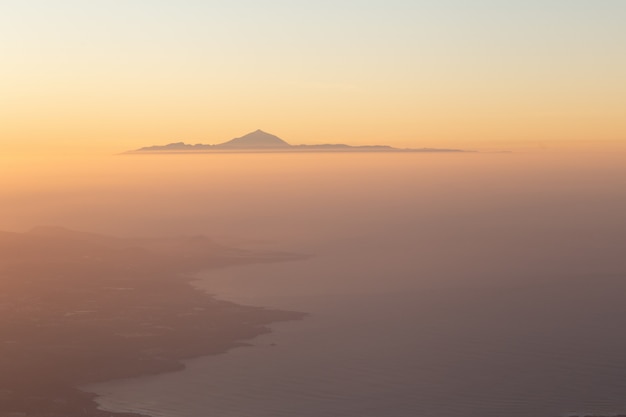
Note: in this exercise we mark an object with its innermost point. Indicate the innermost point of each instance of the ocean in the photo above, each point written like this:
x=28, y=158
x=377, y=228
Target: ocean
x=470, y=285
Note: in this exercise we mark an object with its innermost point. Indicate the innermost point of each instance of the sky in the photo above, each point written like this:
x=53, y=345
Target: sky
x=107, y=76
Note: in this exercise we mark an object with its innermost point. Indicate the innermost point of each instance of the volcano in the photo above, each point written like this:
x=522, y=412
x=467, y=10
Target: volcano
x=260, y=141
x=255, y=140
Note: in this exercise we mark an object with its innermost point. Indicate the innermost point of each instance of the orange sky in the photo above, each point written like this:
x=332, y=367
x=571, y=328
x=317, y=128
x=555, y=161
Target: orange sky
x=104, y=78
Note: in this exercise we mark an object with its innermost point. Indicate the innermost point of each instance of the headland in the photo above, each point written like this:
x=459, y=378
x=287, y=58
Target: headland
x=77, y=308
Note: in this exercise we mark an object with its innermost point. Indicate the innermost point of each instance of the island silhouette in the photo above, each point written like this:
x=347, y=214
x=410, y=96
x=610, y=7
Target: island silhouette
x=260, y=141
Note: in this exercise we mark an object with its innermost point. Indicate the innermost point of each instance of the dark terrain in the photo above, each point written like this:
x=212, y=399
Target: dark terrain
x=77, y=308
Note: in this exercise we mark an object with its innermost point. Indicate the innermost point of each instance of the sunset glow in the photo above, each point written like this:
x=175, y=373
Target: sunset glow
x=289, y=208
x=103, y=76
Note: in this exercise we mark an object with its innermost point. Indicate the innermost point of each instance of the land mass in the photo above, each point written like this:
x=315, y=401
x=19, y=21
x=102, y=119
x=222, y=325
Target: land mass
x=77, y=308
x=259, y=141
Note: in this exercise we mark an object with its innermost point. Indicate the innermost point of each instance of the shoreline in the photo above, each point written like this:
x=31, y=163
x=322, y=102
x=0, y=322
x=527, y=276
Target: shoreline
x=178, y=363
x=252, y=331
x=81, y=309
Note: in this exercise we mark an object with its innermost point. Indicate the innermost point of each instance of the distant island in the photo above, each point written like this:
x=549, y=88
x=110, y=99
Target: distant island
x=260, y=141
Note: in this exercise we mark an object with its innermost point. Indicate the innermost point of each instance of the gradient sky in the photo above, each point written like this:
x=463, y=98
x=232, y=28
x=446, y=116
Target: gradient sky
x=106, y=76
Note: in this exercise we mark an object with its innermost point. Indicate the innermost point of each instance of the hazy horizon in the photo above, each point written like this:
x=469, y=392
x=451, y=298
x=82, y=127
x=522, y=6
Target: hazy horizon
x=301, y=283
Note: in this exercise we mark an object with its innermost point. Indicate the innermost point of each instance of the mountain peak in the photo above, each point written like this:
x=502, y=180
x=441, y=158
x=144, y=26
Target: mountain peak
x=256, y=139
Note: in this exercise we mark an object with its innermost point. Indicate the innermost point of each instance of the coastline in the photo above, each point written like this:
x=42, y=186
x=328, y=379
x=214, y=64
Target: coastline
x=86, y=308
x=254, y=322
x=303, y=367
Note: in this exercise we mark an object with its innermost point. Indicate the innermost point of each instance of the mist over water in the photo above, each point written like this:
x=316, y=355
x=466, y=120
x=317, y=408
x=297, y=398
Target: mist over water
x=438, y=285
x=485, y=216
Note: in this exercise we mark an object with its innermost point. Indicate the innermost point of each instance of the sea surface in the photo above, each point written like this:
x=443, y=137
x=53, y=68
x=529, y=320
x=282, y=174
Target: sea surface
x=467, y=285
x=545, y=349
x=550, y=349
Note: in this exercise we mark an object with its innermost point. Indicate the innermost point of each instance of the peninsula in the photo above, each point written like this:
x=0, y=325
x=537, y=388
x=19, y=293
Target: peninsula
x=259, y=141
x=77, y=308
